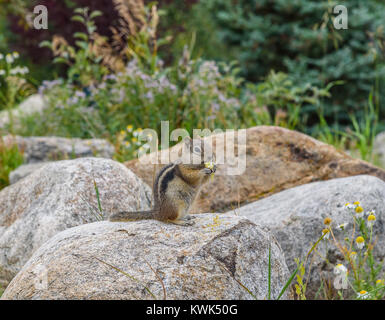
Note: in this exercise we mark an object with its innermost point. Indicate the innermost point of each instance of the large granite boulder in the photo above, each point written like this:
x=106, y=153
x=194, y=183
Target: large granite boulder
x=220, y=257
x=276, y=159
x=58, y=196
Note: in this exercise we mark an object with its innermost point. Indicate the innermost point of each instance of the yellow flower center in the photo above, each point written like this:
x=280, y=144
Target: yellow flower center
x=359, y=209
x=324, y=231
x=327, y=221
x=356, y=203
x=360, y=239
x=372, y=218
x=363, y=292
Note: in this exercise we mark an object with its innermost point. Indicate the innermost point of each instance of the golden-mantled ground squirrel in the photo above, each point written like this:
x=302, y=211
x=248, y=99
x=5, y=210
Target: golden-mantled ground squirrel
x=177, y=185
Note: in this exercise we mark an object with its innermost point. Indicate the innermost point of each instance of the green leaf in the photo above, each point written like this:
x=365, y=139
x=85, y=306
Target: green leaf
x=287, y=283
x=79, y=19
x=81, y=35
x=79, y=10
x=60, y=60
x=95, y=14
x=45, y=43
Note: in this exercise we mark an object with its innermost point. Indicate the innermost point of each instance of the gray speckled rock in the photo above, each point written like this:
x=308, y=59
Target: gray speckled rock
x=58, y=196
x=42, y=149
x=295, y=216
x=204, y=261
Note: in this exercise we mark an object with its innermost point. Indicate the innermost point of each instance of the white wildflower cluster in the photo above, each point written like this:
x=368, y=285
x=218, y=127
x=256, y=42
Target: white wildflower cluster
x=9, y=59
x=48, y=85
x=363, y=295
x=357, y=210
x=18, y=70
x=353, y=265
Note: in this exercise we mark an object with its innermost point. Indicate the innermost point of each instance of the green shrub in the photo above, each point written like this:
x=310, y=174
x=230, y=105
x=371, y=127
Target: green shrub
x=286, y=100
x=10, y=159
x=192, y=93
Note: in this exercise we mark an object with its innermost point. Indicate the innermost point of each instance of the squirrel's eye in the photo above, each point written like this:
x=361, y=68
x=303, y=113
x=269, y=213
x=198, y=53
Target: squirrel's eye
x=197, y=149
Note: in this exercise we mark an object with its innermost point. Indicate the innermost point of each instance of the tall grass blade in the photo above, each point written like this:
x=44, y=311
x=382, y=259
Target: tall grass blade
x=269, y=276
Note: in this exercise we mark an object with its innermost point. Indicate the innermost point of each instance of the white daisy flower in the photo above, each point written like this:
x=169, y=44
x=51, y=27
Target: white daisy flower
x=363, y=294
x=371, y=220
x=9, y=58
x=359, y=211
x=368, y=213
x=349, y=206
x=360, y=242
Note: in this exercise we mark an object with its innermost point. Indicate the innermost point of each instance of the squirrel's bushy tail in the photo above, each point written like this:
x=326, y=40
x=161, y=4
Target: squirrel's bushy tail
x=130, y=216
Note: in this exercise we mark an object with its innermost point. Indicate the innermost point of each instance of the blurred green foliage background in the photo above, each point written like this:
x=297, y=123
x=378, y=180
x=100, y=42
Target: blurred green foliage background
x=287, y=63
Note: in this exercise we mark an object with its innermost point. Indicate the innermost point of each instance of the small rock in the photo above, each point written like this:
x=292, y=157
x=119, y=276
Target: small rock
x=42, y=149
x=213, y=259
x=58, y=196
x=34, y=103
